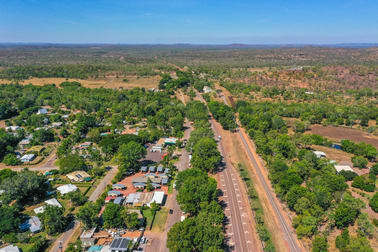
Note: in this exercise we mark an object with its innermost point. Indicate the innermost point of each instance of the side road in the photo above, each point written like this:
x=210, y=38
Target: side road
x=62, y=241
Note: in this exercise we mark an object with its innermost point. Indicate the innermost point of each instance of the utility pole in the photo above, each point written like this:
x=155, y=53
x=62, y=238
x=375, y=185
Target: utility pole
x=60, y=246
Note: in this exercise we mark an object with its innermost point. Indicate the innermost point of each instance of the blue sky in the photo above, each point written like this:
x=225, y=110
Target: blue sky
x=189, y=21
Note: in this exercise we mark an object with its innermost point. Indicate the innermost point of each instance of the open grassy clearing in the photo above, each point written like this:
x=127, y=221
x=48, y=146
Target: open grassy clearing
x=108, y=82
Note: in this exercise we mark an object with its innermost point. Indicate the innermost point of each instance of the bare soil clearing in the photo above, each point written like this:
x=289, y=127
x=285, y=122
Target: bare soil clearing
x=108, y=82
x=339, y=133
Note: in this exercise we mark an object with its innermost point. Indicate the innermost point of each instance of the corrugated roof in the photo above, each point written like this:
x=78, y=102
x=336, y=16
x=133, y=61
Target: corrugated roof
x=120, y=244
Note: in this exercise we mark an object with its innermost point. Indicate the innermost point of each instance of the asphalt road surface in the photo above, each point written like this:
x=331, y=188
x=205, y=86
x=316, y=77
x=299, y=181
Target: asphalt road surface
x=289, y=236
x=239, y=229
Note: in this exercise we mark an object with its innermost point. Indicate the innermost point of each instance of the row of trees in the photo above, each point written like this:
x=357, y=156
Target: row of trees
x=223, y=114
x=309, y=186
x=202, y=229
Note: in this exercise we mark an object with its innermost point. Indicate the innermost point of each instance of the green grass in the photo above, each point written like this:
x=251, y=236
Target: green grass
x=160, y=220
x=149, y=216
x=170, y=187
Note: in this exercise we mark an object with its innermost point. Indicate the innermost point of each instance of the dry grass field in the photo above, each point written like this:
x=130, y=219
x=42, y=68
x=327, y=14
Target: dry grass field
x=108, y=82
x=339, y=133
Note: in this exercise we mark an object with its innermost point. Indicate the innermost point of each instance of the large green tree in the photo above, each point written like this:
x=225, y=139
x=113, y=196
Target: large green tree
x=206, y=155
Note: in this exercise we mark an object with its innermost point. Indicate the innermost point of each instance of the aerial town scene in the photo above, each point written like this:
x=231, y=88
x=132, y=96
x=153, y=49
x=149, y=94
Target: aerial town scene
x=188, y=126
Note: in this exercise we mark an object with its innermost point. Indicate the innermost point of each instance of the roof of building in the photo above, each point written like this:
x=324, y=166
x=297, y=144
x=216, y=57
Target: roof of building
x=87, y=233
x=340, y=168
x=160, y=168
x=152, y=168
x=78, y=176
x=53, y=202
x=10, y=248
x=118, y=200
x=35, y=224
x=144, y=168
x=64, y=189
x=319, y=153
x=158, y=197
x=114, y=192
x=39, y=210
x=120, y=244
x=95, y=248
x=170, y=140
x=28, y=157
x=42, y=111
x=115, y=186
x=164, y=181
x=24, y=141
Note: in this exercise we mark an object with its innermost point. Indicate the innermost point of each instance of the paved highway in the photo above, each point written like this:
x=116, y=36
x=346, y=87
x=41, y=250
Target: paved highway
x=239, y=229
x=289, y=236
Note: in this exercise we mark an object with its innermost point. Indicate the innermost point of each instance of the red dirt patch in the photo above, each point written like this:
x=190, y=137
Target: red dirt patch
x=339, y=133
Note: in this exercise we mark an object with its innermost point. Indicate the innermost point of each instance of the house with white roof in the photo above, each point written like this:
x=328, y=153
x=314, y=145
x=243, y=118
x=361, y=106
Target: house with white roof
x=340, y=168
x=64, y=189
x=157, y=198
x=27, y=157
x=10, y=248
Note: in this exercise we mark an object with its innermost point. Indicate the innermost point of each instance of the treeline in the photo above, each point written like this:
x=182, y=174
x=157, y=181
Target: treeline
x=223, y=114
x=170, y=84
x=309, y=186
x=81, y=71
x=202, y=229
x=324, y=112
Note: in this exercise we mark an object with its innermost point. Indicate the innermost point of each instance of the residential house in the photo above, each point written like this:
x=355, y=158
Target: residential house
x=157, y=198
x=10, y=248
x=340, y=168
x=114, y=193
x=12, y=128
x=78, y=176
x=87, y=238
x=53, y=202
x=28, y=158
x=118, y=187
x=33, y=224
x=64, y=189
x=207, y=89
x=42, y=111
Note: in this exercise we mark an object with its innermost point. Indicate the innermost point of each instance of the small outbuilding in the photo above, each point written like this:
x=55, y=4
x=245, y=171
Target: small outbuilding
x=118, y=187
x=144, y=169
x=319, y=154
